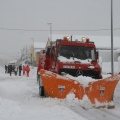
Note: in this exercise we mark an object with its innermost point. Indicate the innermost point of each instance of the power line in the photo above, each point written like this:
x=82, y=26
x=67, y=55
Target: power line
x=7, y=53
x=17, y=29
x=43, y=30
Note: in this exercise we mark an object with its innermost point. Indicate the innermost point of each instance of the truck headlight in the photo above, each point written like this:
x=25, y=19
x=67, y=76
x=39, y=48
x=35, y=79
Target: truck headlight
x=67, y=66
x=91, y=67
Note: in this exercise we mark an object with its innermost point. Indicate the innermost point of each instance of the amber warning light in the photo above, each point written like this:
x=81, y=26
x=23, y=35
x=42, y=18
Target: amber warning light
x=85, y=39
x=66, y=38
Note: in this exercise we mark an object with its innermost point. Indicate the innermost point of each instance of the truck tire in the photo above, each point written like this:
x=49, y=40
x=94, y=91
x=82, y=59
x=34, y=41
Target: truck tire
x=41, y=89
x=38, y=78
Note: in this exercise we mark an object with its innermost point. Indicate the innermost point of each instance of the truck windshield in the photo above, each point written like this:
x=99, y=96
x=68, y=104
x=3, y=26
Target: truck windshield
x=79, y=52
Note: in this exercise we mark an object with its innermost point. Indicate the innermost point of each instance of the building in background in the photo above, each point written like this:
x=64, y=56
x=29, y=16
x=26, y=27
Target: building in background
x=35, y=51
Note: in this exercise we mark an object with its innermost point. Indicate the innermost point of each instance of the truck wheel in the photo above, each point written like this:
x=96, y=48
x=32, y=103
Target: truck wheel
x=38, y=78
x=41, y=90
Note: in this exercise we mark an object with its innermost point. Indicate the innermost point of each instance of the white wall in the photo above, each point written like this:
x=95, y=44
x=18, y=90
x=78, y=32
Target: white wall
x=106, y=55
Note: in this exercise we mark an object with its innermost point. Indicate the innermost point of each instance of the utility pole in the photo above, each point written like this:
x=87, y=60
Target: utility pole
x=112, y=56
x=32, y=52
x=50, y=31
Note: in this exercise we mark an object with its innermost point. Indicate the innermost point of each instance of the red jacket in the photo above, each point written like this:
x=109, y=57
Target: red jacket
x=27, y=68
x=23, y=68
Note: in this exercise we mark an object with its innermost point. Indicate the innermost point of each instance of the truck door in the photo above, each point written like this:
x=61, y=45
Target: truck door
x=52, y=59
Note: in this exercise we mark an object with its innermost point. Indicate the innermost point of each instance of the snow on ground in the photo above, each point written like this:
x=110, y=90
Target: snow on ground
x=19, y=100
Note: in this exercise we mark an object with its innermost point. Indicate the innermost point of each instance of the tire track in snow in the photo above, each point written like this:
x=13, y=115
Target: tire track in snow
x=95, y=114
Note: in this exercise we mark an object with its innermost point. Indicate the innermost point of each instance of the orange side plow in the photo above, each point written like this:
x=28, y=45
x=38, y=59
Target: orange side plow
x=59, y=86
x=100, y=91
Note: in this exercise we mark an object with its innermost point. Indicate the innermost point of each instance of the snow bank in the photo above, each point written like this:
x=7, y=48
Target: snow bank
x=72, y=101
x=117, y=94
x=85, y=102
x=105, y=104
x=83, y=80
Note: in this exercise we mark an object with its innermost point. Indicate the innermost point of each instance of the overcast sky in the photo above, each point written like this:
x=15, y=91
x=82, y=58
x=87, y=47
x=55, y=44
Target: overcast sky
x=23, y=20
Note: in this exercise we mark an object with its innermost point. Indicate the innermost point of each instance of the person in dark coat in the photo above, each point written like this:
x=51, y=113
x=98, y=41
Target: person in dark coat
x=10, y=69
x=15, y=70
x=38, y=71
x=23, y=69
x=6, y=68
x=20, y=68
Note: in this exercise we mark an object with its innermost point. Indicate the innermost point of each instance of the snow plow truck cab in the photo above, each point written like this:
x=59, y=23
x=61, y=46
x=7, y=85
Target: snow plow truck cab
x=72, y=57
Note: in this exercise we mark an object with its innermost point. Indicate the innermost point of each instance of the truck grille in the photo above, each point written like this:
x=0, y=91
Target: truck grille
x=73, y=72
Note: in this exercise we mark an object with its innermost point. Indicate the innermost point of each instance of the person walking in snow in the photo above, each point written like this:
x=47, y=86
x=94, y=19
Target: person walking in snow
x=38, y=71
x=23, y=69
x=10, y=69
x=27, y=70
x=15, y=70
x=6, y=68
x=20, y=68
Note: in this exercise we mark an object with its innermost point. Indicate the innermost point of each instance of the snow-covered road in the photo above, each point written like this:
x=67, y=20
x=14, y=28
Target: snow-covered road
x=98, y=114
x=19, y=100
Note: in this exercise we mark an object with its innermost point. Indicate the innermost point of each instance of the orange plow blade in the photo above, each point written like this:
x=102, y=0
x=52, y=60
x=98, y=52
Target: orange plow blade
x=102, y=90
x=59, y=86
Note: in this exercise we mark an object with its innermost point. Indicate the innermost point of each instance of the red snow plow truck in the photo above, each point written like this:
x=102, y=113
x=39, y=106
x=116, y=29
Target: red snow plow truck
x=72, y=57
x=76, y=58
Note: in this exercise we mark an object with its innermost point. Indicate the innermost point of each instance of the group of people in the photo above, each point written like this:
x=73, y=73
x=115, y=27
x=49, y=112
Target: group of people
x=10, y=68
x=26, y=70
